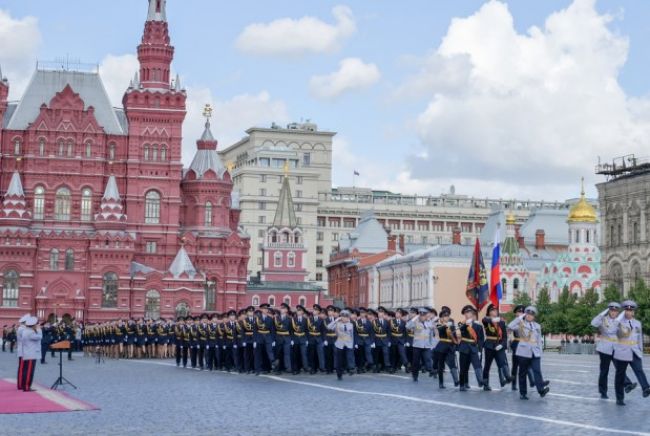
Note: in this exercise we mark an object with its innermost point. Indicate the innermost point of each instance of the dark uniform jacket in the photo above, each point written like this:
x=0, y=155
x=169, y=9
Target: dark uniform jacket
x=495, y=334
x=472, y=338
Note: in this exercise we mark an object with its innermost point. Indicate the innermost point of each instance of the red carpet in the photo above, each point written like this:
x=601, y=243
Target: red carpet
x=43, y=400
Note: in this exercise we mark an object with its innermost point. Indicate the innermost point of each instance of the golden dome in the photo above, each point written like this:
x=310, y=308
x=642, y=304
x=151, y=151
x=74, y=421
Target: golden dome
x=511, y=220
x=582, y=211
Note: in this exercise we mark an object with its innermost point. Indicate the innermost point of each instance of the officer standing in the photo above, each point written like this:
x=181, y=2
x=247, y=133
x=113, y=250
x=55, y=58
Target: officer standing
x=629, y=351
x=607, y=326
x=344, y=343
x=422, y=326
x=529, y=351
x=31, y=351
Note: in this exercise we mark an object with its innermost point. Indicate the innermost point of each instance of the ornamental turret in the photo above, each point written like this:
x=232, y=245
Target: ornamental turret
x=14, y=208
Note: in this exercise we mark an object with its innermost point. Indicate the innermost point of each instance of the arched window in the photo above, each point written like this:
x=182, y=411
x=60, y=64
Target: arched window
x=182, y=309
x=62, y=204
x=146, y=152
x=163, y=153
x=69, y=259
x=89, y=149
x=152, y=208
x=287, y=300
x=154, y=152
x=152, y=305
x=109, y=290
x=277, y=259
x=272, y=300
x=54, y=259
x=61, y=147
x=17, y=146
x=302, y=300
x=10, y=289
x=504, y=287
x=111, y=152
x=208, y=214
x=86, y=204
x=515, y=286
x=210, y=294
x=70, y=148
x=291, y=259
x=39, y=202
x=255, y=301
x=41, y=147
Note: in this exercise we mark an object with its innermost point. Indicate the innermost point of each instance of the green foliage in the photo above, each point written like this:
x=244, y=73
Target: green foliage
x=520, y=298
x=544, y=307
x=640, y=293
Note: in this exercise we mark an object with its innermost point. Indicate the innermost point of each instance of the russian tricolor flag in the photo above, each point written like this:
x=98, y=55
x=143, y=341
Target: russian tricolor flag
x=495, y=274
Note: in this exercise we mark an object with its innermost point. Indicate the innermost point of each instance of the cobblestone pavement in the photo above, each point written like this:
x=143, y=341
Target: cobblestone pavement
x=155, y=397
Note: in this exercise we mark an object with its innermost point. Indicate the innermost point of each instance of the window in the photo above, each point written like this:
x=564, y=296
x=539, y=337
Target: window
x=39, y=202
x=320, y=236
x=256, y=301
x=10, y=289
x=182, y=309
x=163, y=152
x=302, y=301
x=587, y=237
x=319, y=277
x=272, y=300
x=298, y=194
x=261, y=205
x=291, y=260
x=319, y=249
x=70, y=148
x=109, y=290
x=41, y=147
x=504, y=287
x=265, y=162
x=89, y=149
x=69, y=259
x=111, y=151
x=277, y=259
x=577, y=236
x=287, y=300
x=306, y=159
x=154, y=152
x=261, y=219
x=299, y=207
x=208, y=214
x=299, y=180
x=259, y=261
x=61, y=147
x=62, y=204
x=150, y=247
x=278, y=163
x=263, y=178
x=86, y=204
x=299, y=221
x=319, y=263
x=152, y=208
x=210, y=294
x=261, y=233
x=17, y=146
x=54, y=259
x=515, y=285
x=146, y=152
x=320, y=221
x=152, y=305
x=335, y=236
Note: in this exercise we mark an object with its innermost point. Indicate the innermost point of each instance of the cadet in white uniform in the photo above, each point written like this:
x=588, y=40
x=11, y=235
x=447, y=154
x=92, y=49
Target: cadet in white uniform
x=607, y=326
x=31, y=343
x=344, y=343
x=529, y=351
x=423, y=327
x=19, y=349
x=629, y=351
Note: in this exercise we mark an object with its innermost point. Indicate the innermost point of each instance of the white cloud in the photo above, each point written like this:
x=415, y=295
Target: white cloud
x=116, y=73
x=296, y=37
x=353, y=74
x=19, y=39
x=520, y=111
x=230, y=118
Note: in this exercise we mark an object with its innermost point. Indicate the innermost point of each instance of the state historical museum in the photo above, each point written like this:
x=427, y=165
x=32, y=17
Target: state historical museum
x=99, y=219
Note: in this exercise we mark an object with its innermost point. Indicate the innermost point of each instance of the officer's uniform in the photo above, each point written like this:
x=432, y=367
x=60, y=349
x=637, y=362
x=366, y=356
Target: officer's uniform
x=316, y=333
x=247, y=342
x=398, y=342
x=629, y=351
x=230, y=329
x=529, y=352
x=514, y=374
x=330, y=338
x=365, y=342
x=422, y=340
x=283, y=335
x=445, y=350
x=469, y=350
x=382, y=341
x=264, y=338
x=300, y=340
x=495, y=345
x=344, y=344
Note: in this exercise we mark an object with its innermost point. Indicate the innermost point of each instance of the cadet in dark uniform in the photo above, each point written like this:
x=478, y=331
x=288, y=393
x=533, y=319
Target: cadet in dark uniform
x=495, y=345
x=471, y=338
x=247, y=340
x=211, y=345
x=382, y=339
x=300, y=339
x=398, y=340
x=202, y=332
x=194, y=340
x=330, y=338
x=178, y=334
x=283, y=340
x=264, y=339
x=230, y=329
x=364, y=340
x=445, y=350
x=316, y=331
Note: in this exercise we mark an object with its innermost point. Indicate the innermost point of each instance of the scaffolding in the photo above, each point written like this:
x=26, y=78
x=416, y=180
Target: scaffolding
x=624, y=166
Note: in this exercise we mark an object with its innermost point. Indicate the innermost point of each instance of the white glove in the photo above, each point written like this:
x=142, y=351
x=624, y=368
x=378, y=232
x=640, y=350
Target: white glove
x=244, y=345
x=499, y=347
x=407, y=344
x=273, y=344
x=234, y=346
x=496, y=319
x=207, y=347
x=356, y=347
x=389, y=345
x=372, y=345
x=326, y=343
x=254, y=344
x=468, y=322
x=292, y=343
x=224, y=347
x=450, y=324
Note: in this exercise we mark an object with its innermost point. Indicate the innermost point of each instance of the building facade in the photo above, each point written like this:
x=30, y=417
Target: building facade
x=99, y=219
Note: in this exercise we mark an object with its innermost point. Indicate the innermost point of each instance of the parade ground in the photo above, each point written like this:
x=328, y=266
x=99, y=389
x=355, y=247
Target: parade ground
x=155, y=397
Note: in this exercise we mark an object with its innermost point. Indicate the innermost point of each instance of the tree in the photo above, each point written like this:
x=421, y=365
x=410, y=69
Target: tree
x=521, y=298
x=640, y=293
x=543, y=305
x=580, y=316
x=611, y=293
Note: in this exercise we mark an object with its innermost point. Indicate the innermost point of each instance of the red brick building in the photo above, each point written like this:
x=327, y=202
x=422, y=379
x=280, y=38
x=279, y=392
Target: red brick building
x=99, y=219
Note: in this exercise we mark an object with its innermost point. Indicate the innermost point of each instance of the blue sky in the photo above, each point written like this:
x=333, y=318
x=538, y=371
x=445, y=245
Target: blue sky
x=400, y=134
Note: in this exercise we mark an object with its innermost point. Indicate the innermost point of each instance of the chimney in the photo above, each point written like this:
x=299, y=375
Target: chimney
x=455, y=236
x=392, y=243
x=539, y=239
x=519, y=238
x=401, y=244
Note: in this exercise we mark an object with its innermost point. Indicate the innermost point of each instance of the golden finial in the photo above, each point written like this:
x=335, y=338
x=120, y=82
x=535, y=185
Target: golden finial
x=207, y=111
x=582, y=186
x=286, y=168
x=230, y=166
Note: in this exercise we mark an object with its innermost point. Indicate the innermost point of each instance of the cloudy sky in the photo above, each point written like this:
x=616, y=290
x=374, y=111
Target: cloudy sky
x=511, y=99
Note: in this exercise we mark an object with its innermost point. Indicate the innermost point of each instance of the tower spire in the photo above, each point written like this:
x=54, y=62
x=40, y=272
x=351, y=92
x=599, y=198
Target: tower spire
x=155, y=52
x=157, y=10
x=285, y=214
